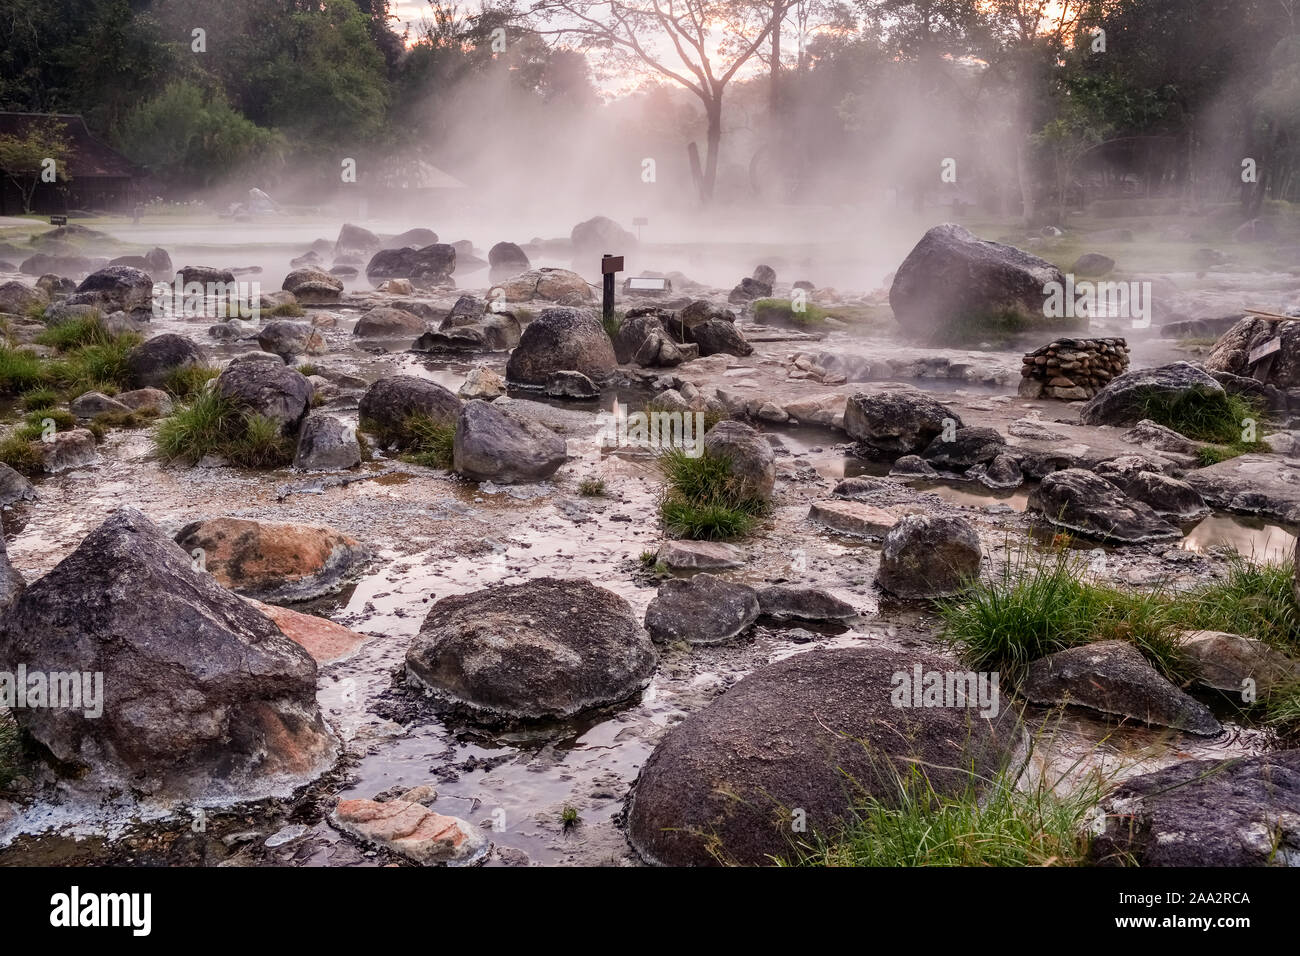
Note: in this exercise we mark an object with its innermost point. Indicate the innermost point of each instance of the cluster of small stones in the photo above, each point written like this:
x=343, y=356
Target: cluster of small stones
x=1072, y=369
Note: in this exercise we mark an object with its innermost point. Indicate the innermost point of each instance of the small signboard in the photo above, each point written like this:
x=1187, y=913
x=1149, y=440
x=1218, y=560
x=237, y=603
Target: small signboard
x=647, y=284
x=58, y=220
x=1265, y=350
x=611, y=264
x=640, y=221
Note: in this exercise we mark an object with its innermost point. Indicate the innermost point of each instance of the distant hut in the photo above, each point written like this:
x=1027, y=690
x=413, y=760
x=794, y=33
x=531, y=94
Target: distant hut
x=99, y=176
x=405, y=182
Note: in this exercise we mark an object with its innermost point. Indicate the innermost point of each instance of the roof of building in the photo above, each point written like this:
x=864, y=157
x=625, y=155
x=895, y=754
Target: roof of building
x=90, y=158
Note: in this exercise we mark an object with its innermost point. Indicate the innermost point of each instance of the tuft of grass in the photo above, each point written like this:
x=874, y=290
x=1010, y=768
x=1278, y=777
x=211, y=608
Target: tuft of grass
x=20, y=371
x=783, y=311
x=10, y=750
x=188, y=381
x=703, y=500
x=76, y=333
x=213, y=425
x=1281, y=713
x=593, y=488
x=33, y=424
x=1001, y=826
x=21, y=454
x=569, y=818
x=308, y=369
x=287, y=310
x=429, y=442
x=96, y=367
x=39, y=398
x=612, y=324
x=1216, y=417
x=1254, y=599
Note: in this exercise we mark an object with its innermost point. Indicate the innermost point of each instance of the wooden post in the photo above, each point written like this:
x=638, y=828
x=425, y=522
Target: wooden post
x=609, y=264
x=697, y=172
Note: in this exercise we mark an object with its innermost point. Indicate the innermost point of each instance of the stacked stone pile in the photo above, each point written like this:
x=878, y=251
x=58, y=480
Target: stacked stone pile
x=1072, y=369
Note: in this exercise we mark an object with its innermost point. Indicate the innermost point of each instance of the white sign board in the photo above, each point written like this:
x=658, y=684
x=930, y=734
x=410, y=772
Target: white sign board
x=646, y=284
x=1265, y=350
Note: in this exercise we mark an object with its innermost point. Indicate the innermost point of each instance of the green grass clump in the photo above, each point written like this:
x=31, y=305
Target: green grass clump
x=287, y=310
x=38, y=398
x=33, y=424
x=21, y=454
x=96, y=367
x=703, y=500
x=1002, y=826
x=774, y=311
x=611, y=325
x=187, y=381
x=10, y=750
x=1281, y=713
x=307, y=369
x=429, y=442
x=1255, y=600
x=20, y=371
x=213, y=425
x=75, y=333
x=1213, y=417
x=592, y=488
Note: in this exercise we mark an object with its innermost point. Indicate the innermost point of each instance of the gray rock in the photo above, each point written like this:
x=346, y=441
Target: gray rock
x=311, y=286
x=150, y=363
x=68, y=450
x=1157, y=437
x=967, y=447
x=90, y=404
x=569, y=384
x=1226, y=661
x=203, y=696
x=913, y=466
x=429, y=266
x=493, y=445
x=508, y=256
x=852, y=517
x=1232, y=351
x=325, y=443
x=753, y=463
x=702, y=609
x=1113, y=677
x=899, y=421
x=1121, y=401
x=599, y=235
x=1263, y=485
x=1206, y=813
x=1167, y=496
x=803, y=604
x=12, y=582
x=811, y=732
x=1001, y=474
x=699, y=555
x=17, y=299
x=928, y=556
x=1087, y=504
x=717, y=337
x=543, y=649
x=269, y=389
x=290, y=339
x=561, y=339
x=117, y=288
x=1093, y=264
x=14, y=487
x=389, y=402
x=386, y=322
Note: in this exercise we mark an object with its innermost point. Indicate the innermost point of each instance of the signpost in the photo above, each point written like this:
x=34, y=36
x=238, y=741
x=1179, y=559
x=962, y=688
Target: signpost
x=640, y=221
x=58, y=220
x=1261, y=358
x=608, y=266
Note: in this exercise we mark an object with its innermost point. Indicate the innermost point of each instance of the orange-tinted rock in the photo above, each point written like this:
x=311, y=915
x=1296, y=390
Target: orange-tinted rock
x=410, y=829
x=320, y=637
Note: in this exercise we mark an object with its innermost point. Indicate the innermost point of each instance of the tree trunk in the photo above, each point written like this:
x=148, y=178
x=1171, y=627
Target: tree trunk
x=774, y=107
x=713, y=110
x=1026, y=180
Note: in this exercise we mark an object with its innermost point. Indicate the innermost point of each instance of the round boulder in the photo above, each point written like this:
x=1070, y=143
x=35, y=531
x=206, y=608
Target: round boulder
x=753, y=463
x=928, y=556
x=702, y=609
x=493, y=445
x=561, y=340
x=267, y=388
x=311, y=286
x=150, y=363
x=389, y=402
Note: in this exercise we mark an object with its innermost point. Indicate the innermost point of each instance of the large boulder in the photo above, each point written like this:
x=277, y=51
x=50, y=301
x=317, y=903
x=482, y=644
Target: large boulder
x=1167, y=496
x=325, y=443
x=753, y=463
x=1243, y=811
x=389, y=402
x=493, y=445
x=599, y=235
x=1079, y=501
x=953, y=281
x=489, y=331
x=205, y=276
x=966, y=448
x=387, y=322
x=898, y=421
x=1125, y=400
x=355, y=241
x=273, y=561
x=312, y=286
x=561, y=340
x=718, y=337
x=547, y=648
x=508, y=258
x=290, y=339
x=150, y=363
x=702, y=609
x=1231, y=353
x=19, y=299
x=12, y=582
x=270, y=389
x=802, y=741
x=929, y=556
x=116, y=289
x=202, y=696
x=419, y=237
x=545, y=284
x=1112, y=677
x=431, y=265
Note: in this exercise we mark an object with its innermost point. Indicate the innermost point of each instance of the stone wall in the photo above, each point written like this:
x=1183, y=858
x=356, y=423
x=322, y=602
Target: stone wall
x=1072, y=369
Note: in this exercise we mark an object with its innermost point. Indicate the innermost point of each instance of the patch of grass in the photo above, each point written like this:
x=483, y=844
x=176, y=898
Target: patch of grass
x=76, y=333
x=21, y=454
x=39, y=398
x=1281, y=713
x=569, y=818
x=308, y=369
x=612, y=324
x=33, y=423
x=287, y=310
x=1255, y=600
x=1216, y=417
x=430, y=443
x=1002, y=826
x=1208, y=455
x=136, y=418
x=10, y=750
x=189, y=381
x=703, y=500
x=96, y=367
x=20, y=371
x=213, y=425
x=775, y=311
x=592, y=488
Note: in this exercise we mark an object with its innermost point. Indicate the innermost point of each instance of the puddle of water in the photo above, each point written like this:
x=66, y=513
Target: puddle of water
x=1257, y=540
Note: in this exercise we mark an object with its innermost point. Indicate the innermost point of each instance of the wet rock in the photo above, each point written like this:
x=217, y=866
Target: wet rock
x=967, y=447
x=753, y=464
x=482, y=382
x=1261, y=485
x=568, y=384
x=18, y=299
x=410, y=830
x=1031, y=429
x=716, y=337
x=642, y=338
x=67, y=450
x=354, y=240
x=1167, y=496
x=151, y=363
x=1080, y=501
x=507, y=256
x=748, y=290
x=320, y=637
x=1093, y=264
x=389, y=402
x=290, y=339
x=699, y=555
x=548, y=285
x=386, y=322
x=425, y=267
x=1206, y=813
x=203, y=697
x=90, y=404
x=1157, y=437
x=11, y=579
x=803, y=604
x=897, y=421
x=561, y=340
x=493, y=445
x=702, y=609
x=418, y=237
x=153, y=400
x=696, y=313
x=1121, y=402
x=927, y=556
x=913, y=466
x=325, y=443
x=396, y=287
x=53, y=285
x=951, y=276
x=1113, y=677
x=1001, y=474
x=852, y=517
x=269, y=389
x=14, y=487
x=721, y=785
x=312, y=286
x=42, y=263
x=547, y=648
x=205, y=276
x=765, y=275
x=820, y=410
x=864, y=486
x=273, y=561
x=117, y=288
x=599, y=235
x=1226, y=661
x=1231, y=353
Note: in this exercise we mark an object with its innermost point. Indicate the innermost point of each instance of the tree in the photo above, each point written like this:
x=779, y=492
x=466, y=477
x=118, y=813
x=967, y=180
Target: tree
x=631, y=34
x=25, y=157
